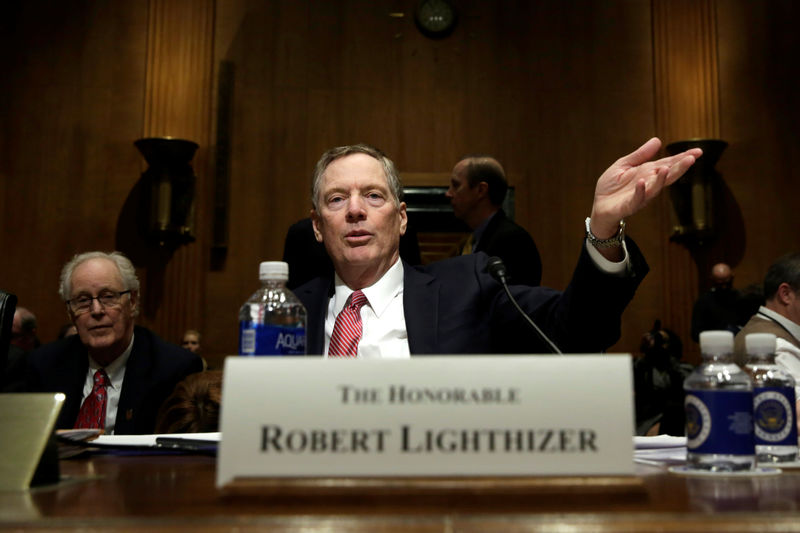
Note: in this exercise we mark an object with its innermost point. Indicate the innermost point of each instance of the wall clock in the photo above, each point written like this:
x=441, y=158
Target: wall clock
x=435, y=18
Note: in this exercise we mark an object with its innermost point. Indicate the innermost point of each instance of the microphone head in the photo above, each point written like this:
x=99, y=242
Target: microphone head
x=497, y=269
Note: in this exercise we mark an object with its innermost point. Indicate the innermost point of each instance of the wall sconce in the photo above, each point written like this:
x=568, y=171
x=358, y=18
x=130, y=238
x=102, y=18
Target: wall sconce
x=169, y=189
x=693, y=195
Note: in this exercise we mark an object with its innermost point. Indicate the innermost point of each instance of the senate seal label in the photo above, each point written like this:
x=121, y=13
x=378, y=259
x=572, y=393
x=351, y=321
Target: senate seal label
x=773, y=416
x=698, y=421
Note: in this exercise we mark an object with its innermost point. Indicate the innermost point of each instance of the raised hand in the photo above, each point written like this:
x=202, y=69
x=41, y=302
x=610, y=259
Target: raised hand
x=632, y=181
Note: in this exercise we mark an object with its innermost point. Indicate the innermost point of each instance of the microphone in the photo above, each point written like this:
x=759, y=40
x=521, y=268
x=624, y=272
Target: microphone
x=497, y=269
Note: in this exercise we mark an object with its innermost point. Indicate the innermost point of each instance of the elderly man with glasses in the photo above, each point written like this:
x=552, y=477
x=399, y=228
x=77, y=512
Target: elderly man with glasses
x=115, y=375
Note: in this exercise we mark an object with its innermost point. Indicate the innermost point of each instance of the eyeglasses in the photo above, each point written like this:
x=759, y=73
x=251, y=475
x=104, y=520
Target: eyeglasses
x=82, y=304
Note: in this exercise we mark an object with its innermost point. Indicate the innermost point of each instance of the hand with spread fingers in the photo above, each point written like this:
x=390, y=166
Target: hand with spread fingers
x=632, y=181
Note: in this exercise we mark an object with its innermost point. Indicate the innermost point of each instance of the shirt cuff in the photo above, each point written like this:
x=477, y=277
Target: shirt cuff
x=609, y=267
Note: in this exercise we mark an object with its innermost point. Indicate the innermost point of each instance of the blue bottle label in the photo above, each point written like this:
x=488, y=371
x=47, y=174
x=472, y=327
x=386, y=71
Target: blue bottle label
x=719, y=422
x=774, y=416
x=261, y=339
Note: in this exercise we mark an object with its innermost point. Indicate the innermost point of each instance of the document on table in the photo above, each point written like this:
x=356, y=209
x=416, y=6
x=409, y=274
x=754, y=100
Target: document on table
x=661, y=450
x=92, y=438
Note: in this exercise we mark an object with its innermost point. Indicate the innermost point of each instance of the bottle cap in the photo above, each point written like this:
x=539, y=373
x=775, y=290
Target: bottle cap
x=716, y=342
x=277, y=270
x=760, y=343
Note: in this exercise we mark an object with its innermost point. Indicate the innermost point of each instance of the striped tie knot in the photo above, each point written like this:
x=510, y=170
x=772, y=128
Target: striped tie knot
x=357, y=301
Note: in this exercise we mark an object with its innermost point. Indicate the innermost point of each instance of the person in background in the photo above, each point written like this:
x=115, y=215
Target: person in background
x=23, y=340
x=115, y=374
x=780, y=315
x=658, y=383
x=23, y=330
x=722, y=307
x=193, y=407
x=478, y=187
x=376, y=306
x=191, y=341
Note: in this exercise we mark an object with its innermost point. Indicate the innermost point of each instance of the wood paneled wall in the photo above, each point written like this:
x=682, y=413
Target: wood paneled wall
x=556, y=90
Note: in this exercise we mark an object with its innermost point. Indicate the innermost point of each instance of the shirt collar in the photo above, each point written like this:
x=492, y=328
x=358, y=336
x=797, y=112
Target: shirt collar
x=116, y=370
x=790, y=326
x=379, y=295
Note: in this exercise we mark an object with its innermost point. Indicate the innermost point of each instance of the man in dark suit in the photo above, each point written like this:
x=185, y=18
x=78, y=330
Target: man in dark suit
x=455, y=306
x=477, y=190
x=119, y=372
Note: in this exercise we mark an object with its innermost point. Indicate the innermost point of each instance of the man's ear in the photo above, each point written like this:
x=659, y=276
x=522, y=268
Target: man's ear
x=316, y=224
x=134, y=296
x=483, y=189
x=403, y=212
x=785, y=293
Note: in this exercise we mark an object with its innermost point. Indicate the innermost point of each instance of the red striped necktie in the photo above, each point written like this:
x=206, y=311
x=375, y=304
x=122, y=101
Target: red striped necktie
x=93, y=410
x=347, y=328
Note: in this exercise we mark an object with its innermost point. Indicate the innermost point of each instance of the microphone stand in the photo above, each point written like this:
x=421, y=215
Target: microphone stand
x=498, y=271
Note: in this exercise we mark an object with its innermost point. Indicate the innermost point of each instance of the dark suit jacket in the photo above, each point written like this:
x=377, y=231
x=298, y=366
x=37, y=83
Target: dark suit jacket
x=151, y=373
x=455, y=307
x=511, y=243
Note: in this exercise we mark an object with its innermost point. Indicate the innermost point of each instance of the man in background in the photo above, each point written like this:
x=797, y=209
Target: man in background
x=478, y=187
x=780, y=315
x=23, y=330
x=722, y=307
x=115, y=375
x=23, y=340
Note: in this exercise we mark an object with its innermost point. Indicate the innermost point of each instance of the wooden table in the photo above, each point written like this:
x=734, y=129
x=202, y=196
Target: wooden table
x=110, y=492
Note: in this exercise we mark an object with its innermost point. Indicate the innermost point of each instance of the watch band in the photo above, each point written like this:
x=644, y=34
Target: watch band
x=616, y=240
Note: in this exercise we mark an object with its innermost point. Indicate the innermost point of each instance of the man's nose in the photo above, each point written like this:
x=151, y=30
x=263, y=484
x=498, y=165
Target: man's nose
x=355, y=206
x=97, y=308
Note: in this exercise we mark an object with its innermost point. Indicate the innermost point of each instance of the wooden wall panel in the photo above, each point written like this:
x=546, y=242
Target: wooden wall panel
x=70, y=109
x=177, y=104
x=687, y=107
x=556, y=90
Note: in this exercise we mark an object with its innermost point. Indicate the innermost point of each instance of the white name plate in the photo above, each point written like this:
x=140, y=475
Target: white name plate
x=426, y=416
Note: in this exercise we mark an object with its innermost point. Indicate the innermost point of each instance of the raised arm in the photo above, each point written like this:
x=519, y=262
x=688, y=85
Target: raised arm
x=630, y=183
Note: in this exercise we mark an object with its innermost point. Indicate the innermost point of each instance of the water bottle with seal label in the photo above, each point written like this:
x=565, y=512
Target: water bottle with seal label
x=272, y=321
x=774, y=410
x=719, y=409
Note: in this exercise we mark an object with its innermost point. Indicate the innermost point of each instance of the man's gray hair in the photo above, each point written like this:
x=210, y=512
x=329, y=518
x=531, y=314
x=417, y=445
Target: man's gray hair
x=124, y=265
x=389, y=170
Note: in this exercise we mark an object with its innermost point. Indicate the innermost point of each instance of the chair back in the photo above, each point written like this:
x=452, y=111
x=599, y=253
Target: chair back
x=8, y=304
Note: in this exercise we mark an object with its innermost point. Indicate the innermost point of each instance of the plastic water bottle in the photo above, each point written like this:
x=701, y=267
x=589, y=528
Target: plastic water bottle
x=272, y=321
x=719, y=409
x=774, y=411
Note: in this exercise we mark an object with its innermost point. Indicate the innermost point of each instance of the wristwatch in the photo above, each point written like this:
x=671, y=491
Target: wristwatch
x=616, y=240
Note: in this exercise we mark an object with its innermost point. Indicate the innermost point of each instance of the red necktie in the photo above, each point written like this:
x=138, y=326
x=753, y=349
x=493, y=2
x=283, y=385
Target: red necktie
x=93, y=410
x=347, y=328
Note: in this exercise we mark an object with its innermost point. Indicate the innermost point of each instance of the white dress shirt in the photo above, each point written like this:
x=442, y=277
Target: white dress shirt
x=383, y=321
x=116, y=373
x=787, y=355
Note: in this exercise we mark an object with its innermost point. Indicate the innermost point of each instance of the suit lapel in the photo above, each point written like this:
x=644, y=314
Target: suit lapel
x=314, y=296
x=421, y=309
x=71, y=376
x=134, y=383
